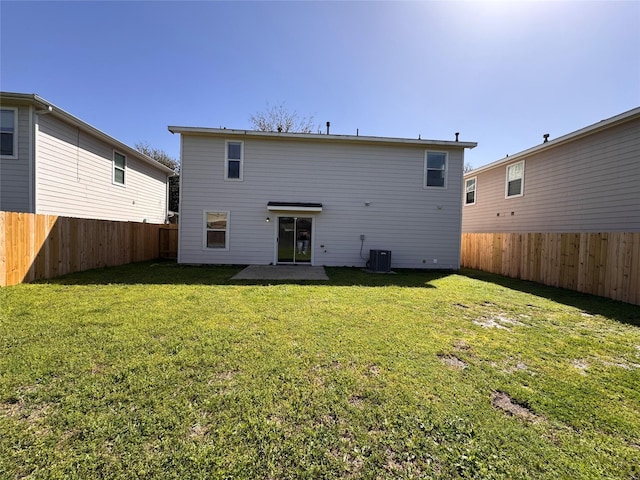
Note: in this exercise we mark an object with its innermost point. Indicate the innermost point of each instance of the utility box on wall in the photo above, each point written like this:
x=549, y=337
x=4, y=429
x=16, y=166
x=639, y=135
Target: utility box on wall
x=380, y=260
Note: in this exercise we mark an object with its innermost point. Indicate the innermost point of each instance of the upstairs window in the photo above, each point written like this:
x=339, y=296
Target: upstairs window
x=515, y=180
x=233, y=161
x=470, y=191
x=435, y=169
x=8, y=132
x=119, y=168
x=216, y=230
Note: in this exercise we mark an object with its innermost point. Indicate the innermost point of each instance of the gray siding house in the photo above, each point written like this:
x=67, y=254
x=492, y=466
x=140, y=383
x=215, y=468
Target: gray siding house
x=249, y=197
x=586, y=181
x=54, y=163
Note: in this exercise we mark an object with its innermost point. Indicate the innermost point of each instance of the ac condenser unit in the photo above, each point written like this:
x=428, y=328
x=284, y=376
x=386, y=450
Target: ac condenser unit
x=380, y=260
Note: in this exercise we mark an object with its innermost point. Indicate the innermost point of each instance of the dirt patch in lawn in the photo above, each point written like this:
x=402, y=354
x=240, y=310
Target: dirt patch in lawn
x=504, y=402
x=452, y=361
x=499, y=321
x=581, y=365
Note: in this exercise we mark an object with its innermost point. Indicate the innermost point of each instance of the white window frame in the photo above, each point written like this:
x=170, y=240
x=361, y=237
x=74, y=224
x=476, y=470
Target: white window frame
x=14, y=155
x=227, y=160
x=116, y=167
x=205, y=230
x=475, y=190
x=506, y=182
x=426, y=169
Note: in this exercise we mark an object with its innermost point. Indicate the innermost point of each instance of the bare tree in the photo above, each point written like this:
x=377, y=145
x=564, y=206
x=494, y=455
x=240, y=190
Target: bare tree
x=167, y=160
x=158, y=155
x=467, y=167
x=278, y=118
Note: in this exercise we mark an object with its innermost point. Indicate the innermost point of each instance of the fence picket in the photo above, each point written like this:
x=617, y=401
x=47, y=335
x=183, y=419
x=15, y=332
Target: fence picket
x=604, y=264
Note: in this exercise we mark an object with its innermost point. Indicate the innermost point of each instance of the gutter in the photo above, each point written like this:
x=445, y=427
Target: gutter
x=570, y=137
x=317, y=137
x=49, y=108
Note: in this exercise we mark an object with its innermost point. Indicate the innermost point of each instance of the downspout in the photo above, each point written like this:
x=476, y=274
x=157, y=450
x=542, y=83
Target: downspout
x=32, y=160
x=34, y=133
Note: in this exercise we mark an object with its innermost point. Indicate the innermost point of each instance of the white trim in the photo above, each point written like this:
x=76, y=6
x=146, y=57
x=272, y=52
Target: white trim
x=205, y=230
x=506, y=180
x=446, y=171
x=180, y=224
x=114, y=167
x=475, y=191
x=227, y=160
x=14, y=156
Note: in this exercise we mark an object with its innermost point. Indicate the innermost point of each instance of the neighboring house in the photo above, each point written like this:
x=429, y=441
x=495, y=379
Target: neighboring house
x=586, y=181
x=54, y=163
x=249, y=197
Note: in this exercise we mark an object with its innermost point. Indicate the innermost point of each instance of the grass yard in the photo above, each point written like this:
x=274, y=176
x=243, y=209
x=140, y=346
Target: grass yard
x=160, y=371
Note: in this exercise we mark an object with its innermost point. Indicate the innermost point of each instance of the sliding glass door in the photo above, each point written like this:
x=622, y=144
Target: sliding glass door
x=294, y=239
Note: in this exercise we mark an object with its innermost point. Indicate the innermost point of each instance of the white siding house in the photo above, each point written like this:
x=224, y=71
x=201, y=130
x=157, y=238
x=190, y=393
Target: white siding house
x=250, y=197
x=54, y=163
x=585, y=181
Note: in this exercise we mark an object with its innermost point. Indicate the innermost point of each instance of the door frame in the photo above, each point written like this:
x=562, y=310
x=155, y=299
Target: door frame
x=312, y=242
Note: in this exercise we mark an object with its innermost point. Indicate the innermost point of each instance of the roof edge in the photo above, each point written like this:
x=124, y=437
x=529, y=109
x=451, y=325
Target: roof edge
x=575, y=135
x=35, y=99
x=318, y=137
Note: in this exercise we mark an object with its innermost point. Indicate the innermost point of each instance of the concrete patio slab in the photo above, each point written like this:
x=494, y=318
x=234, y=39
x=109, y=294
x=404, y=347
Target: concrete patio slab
x=281, y=272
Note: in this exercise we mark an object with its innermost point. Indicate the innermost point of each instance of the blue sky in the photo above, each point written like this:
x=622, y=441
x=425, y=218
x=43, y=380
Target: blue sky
x=501, y=73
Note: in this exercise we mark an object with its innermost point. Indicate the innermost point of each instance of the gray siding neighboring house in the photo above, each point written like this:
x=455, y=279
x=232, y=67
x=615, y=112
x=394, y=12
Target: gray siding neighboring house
x=248, y=197
x=586, y=181
x=54, y=163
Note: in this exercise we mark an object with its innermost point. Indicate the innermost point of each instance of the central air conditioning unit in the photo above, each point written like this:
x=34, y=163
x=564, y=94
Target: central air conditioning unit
x=380, y=260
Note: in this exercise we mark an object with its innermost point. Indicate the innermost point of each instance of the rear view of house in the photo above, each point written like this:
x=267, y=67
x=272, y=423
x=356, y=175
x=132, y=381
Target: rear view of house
x=54, y=163
x=249, y=197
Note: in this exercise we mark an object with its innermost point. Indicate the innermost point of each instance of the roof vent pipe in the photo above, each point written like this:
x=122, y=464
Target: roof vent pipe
x=546, y=137
x=457, y=134
x=328, y=125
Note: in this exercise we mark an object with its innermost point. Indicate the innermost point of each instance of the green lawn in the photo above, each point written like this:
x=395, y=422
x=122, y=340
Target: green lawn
x=159, y=371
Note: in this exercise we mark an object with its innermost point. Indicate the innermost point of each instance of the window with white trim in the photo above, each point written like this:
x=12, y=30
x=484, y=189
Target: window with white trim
x=514, y=186
x=9, y=132
x=435, y=169
x=234, y=159
x=470, y=191
x=119, y=168
x=216, y=230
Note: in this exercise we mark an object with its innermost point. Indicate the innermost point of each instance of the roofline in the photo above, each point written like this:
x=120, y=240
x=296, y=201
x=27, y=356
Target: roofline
x=570, y=137
x=316, y=137
x=49, y=107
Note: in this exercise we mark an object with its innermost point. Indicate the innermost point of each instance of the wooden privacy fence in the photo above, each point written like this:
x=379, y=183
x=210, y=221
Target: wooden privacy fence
x=34, y=247
x=604, y=264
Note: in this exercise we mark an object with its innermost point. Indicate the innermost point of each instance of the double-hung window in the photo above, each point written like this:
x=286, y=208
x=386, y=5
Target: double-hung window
x=216, y=230
x=435, y=169
x=8, y=133
x=470, y=191
x=119, y=168
x=234, y=157
x=514, y=186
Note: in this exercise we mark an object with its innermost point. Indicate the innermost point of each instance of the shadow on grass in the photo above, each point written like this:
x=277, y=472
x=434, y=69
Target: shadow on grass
x=164, y=272
x=169, y=273
x=590, y=304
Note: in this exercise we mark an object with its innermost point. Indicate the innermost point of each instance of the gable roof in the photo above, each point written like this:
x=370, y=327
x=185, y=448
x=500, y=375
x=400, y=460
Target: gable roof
x=50, y=108
x=570, y=137
x=318, y=137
